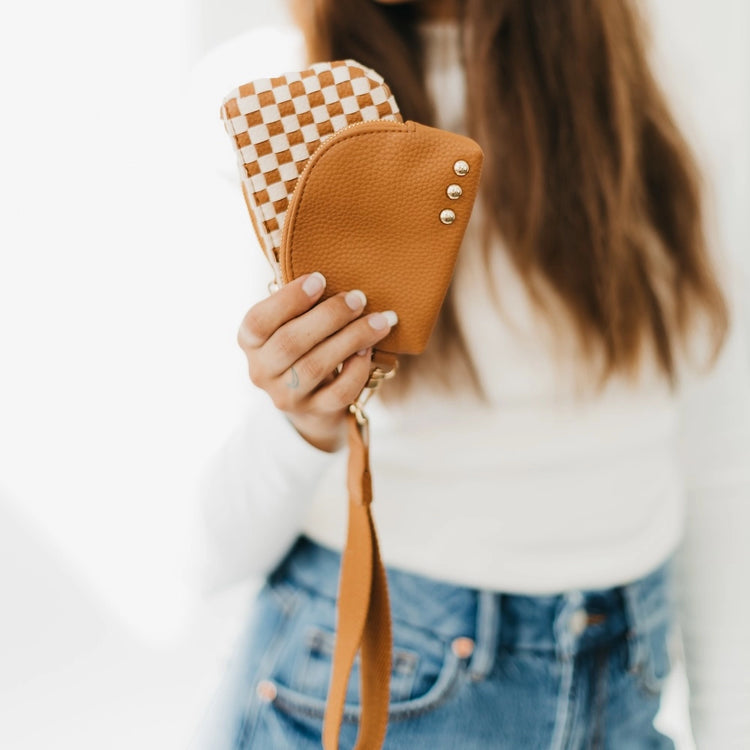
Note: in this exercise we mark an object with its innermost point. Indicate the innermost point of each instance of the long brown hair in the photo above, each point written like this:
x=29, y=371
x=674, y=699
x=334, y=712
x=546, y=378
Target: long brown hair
x=587, y=178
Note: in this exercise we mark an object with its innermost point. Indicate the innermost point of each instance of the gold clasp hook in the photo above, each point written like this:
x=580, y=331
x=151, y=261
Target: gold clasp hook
x=377, y=377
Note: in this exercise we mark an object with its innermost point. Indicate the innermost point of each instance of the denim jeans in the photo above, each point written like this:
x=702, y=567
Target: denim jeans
x=471, y=669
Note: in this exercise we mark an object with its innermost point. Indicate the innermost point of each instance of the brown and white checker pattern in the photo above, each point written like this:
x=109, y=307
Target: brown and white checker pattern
x=277, y=123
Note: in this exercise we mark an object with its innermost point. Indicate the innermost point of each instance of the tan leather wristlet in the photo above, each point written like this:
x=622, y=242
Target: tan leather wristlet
x=379, y=205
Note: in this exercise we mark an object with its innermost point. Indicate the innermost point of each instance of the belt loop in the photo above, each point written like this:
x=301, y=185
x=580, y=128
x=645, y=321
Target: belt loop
x=566, y=636
x=634, y=617
x=487, y=634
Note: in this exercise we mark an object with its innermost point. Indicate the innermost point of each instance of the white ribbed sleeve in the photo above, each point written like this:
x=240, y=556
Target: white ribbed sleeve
x=714, y=559
x=253, y=497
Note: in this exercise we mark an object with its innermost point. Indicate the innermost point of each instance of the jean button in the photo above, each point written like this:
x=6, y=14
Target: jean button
x=266, y=691
x=579, y=620
x=462, y=647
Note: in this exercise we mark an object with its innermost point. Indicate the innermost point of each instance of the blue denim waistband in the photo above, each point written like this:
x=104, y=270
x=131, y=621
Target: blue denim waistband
x=568, y=622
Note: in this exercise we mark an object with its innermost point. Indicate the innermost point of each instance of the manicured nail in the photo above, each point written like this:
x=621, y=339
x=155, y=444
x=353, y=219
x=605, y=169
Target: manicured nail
x=381, y=321
x=355, y=300
x=314, y=283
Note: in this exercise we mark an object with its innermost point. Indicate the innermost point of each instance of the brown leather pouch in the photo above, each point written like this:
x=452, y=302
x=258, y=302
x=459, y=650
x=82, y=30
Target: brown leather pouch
x=382, y=207
x=379, y=205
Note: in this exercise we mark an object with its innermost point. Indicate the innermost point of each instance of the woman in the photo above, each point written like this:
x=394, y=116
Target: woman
x=581, y=397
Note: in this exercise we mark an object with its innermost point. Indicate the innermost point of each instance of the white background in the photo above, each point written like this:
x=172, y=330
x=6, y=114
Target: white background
x=127, y=263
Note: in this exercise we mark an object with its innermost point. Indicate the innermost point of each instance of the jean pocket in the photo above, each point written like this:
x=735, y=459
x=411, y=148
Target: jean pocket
x=424, y=669
x=315, y=667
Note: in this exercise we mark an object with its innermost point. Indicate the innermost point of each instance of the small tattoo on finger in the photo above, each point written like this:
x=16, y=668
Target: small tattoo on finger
x=294, y=379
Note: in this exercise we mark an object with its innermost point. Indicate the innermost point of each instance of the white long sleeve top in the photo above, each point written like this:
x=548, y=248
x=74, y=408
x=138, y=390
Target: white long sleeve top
x=548, y=486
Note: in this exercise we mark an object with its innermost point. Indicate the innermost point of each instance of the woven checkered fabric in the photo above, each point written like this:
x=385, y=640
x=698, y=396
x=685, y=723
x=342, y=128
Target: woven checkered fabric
x=277, y=123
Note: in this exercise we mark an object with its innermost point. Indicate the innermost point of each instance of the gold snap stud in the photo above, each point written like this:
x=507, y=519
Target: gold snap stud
x=266, y=691
x=447, y=216
x=462, y=647
x=461, y=168
x=454, y=192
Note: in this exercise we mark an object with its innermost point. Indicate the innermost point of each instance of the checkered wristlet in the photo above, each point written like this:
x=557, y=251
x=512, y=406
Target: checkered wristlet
x=277, y=124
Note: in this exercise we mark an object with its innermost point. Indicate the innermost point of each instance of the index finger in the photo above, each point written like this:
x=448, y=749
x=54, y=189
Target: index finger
x=268, y=315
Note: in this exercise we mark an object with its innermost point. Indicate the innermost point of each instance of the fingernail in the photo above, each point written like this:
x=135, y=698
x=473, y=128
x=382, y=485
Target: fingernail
x=355, y=300
x=313, y=284
x=362, y=352
x=380, y=321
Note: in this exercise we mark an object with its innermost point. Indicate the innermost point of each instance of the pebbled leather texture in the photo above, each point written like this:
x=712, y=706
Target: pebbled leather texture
x=366, y=213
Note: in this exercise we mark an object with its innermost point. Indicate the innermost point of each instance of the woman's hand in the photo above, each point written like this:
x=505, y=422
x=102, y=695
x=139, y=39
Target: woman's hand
x=294, y=346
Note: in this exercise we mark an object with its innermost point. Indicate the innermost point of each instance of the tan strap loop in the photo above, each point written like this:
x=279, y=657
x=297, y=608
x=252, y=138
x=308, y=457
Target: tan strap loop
x=364, y=618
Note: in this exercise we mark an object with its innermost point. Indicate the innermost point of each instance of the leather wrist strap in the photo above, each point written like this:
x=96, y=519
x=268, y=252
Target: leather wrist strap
x=364, y=618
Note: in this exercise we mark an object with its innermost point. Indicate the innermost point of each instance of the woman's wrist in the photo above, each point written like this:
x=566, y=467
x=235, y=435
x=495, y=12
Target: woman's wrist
x=322, y=432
